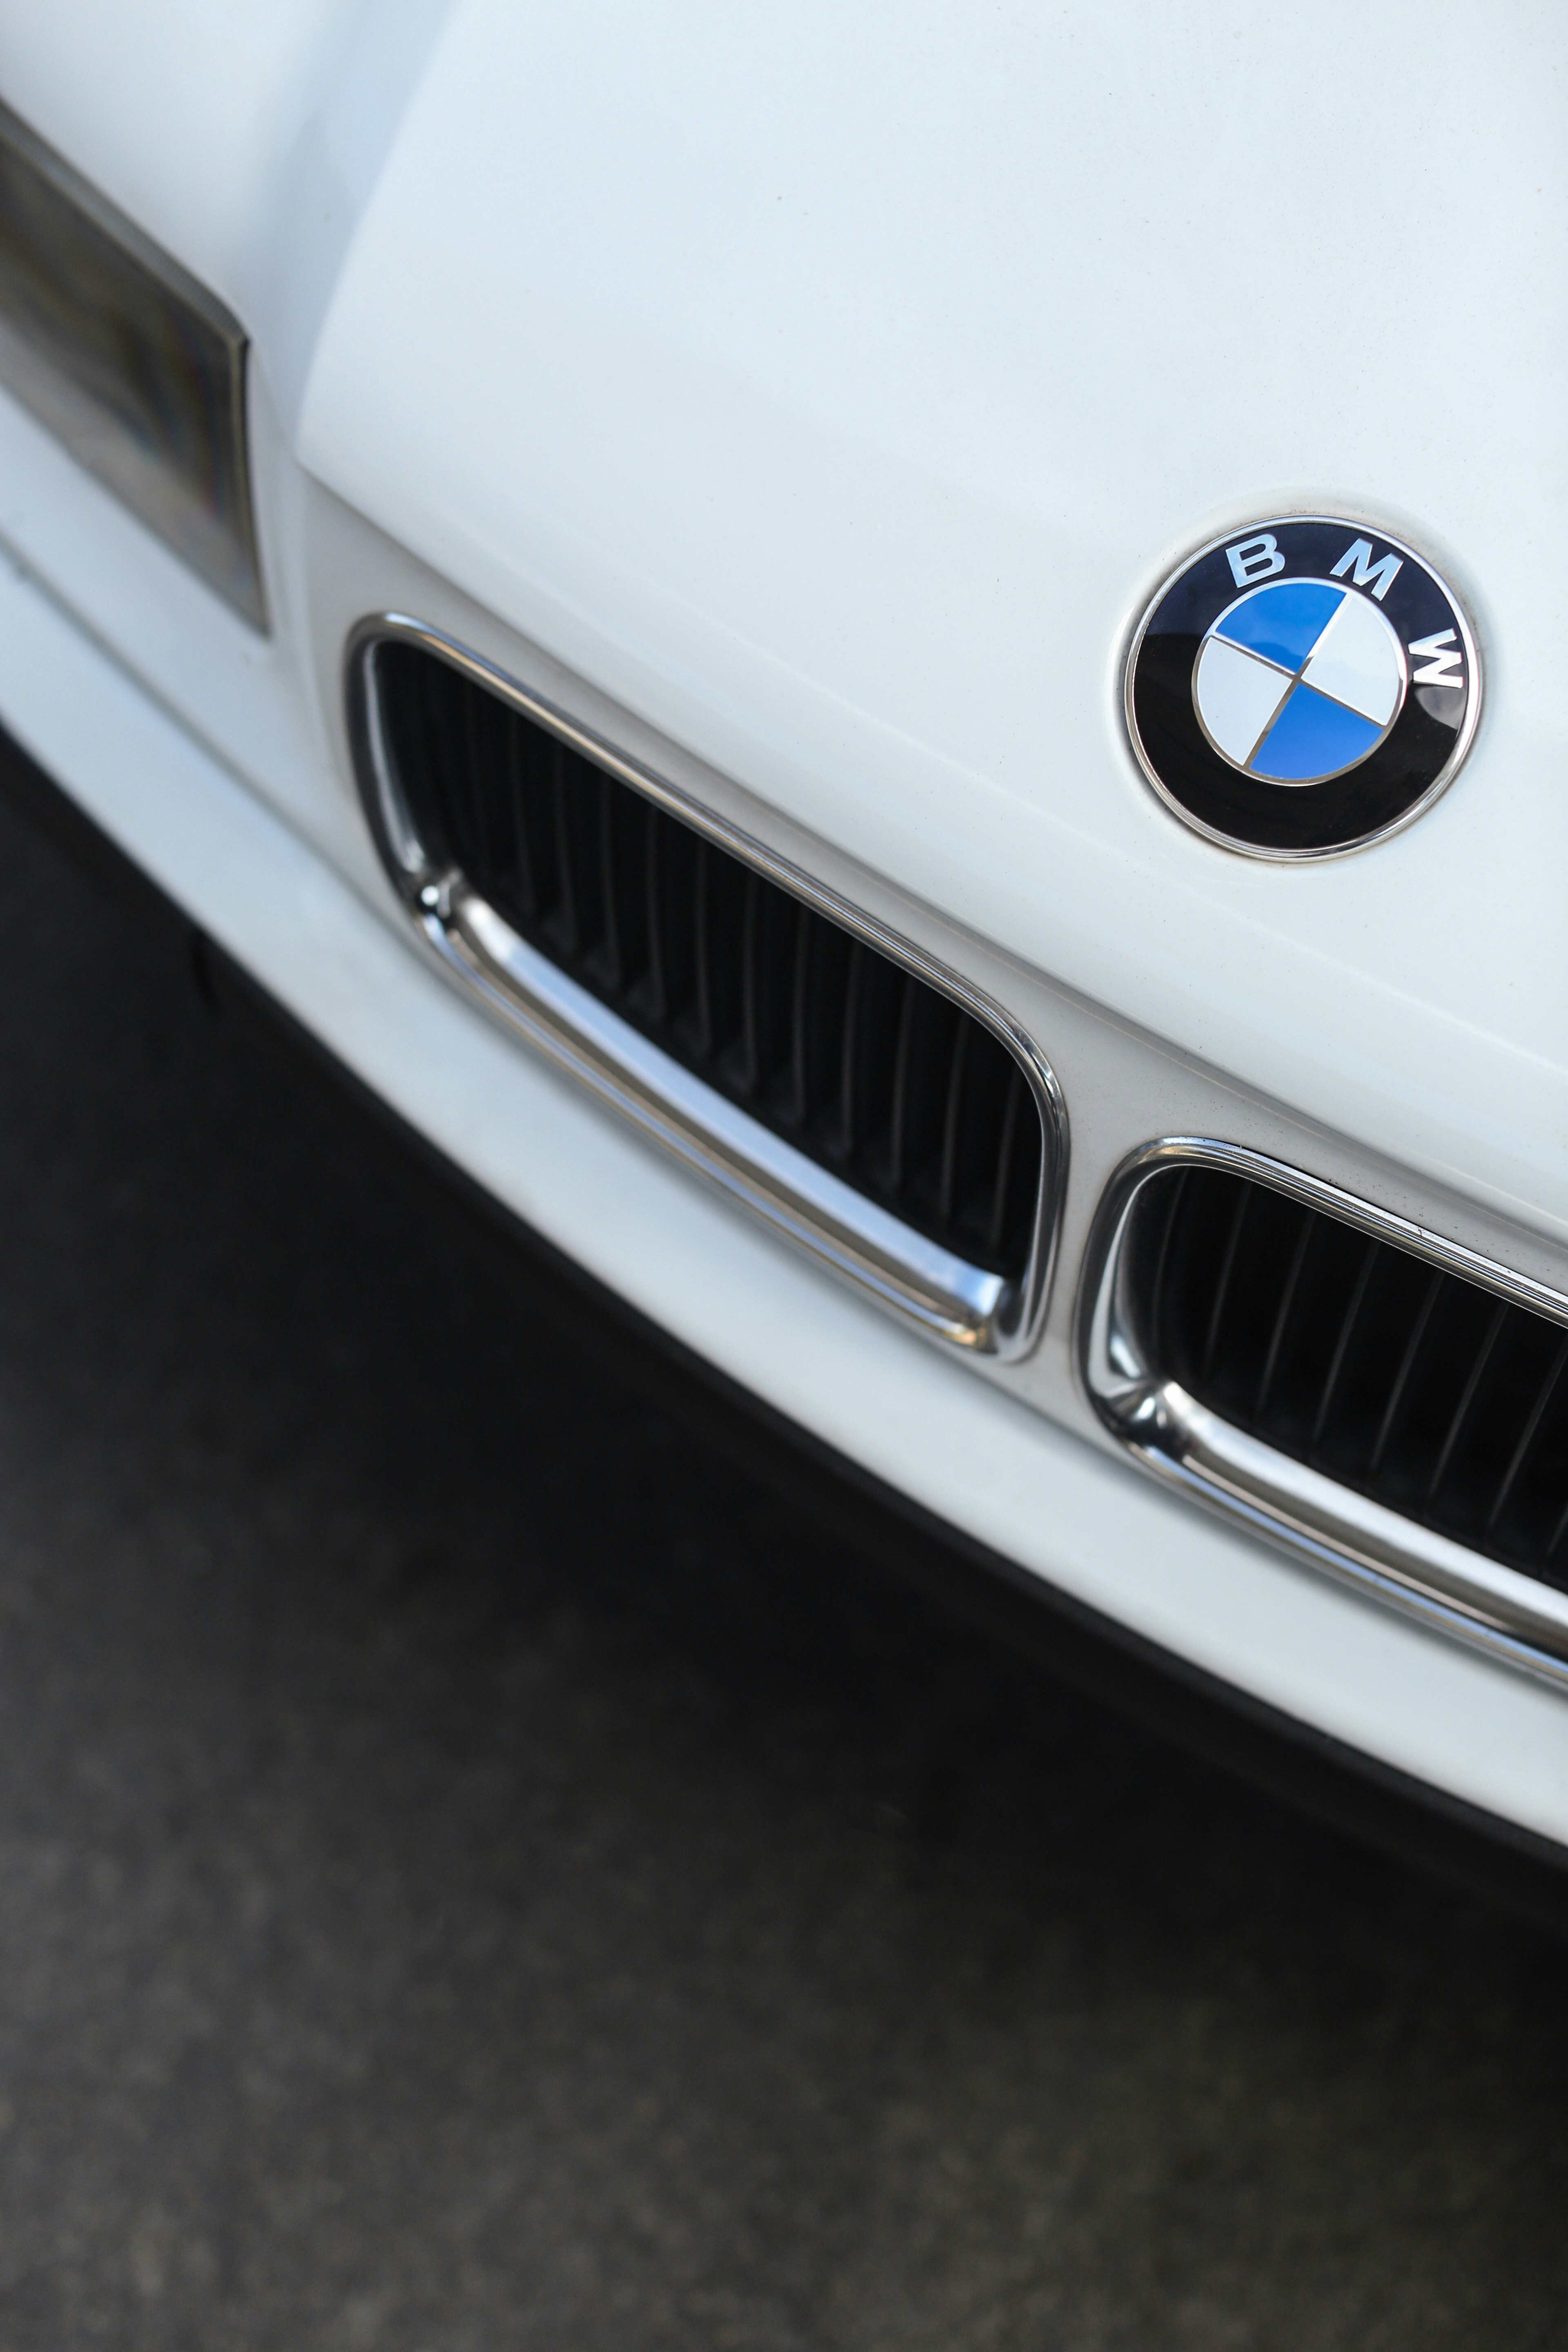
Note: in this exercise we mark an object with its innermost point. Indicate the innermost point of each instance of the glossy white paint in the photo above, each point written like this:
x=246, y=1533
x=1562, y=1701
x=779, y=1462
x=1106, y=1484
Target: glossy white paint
x=830, y=391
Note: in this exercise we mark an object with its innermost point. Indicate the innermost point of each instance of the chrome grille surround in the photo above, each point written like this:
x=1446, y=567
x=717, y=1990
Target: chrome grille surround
x=931, y=1287
x=1315, y=1516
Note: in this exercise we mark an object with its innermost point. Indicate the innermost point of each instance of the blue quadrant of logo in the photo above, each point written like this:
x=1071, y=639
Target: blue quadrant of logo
x=1313, y=737
x=1283, y=624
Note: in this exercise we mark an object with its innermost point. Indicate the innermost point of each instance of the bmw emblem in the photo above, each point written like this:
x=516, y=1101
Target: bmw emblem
x=1302, y=686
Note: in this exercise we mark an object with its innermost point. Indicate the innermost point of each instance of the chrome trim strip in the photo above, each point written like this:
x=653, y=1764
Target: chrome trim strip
x=930, y=1288
x=1497, y=1609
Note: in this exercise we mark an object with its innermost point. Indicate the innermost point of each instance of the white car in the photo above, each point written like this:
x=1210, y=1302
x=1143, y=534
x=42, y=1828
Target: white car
x=903, y=674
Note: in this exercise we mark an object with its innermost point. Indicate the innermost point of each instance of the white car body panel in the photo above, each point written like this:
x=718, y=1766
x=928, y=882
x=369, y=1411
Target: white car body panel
x=816, y=405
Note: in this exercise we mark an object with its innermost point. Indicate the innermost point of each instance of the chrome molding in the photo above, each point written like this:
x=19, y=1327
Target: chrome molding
x=1495, y=1608
x=887, y=1260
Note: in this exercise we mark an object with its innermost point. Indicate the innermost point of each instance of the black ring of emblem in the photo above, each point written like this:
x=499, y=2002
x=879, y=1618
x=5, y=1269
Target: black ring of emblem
x=1404, y=773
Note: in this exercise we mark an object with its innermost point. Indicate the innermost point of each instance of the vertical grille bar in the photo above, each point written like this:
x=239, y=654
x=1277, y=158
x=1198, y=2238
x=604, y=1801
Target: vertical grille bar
x=903, y=1061
x=1282, y=1319
x=1341, y=1346
x=752, y=985
x=800, y=1019
x=517, y=809
x=1521, y=1453
x=849, y=1057
x=1462, y=1410
x=951, y=1126
x=612, y=946
x=1004, y=1183
x=568, y=902
x=659, y=1004
x=1406, y=1366
x=1221, y=1287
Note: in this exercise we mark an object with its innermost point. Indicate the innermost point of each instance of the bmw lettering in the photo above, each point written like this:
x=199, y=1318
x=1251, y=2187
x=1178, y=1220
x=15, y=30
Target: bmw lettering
x=1301, y=687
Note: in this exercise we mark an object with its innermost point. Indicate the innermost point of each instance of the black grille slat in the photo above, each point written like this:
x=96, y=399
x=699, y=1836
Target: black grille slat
x=1466, y=1405
x=952, y=1123
x=1407, y=1361
x=1283, y=1313
x=1226, y=1271
x=426, y=725
x=1560, y=1530
x=522, y=862
x=864, y=1067
x=801, y=1007
x=1521, y=1453
x=900, y=1121
x=657, y=979
x=612, y=954
x=1008, y=1159
x=567, y=930
x=849, y=1054
x=1341, y=1346
x=478, y=728
x=703, y=1032
x=1415, y=1386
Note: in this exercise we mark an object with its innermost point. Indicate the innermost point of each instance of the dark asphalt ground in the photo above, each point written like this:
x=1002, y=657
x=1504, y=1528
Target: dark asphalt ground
x=476, y=1871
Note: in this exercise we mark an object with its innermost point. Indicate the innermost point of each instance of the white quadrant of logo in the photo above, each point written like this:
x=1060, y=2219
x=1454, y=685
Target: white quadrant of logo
x=1236, y=696
x=1359, y=661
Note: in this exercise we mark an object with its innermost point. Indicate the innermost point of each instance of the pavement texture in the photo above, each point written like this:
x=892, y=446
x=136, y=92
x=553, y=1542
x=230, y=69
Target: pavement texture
x=476, y=1870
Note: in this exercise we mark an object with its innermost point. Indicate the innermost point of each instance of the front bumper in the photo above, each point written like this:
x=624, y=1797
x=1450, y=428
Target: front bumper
x=1057, y=1506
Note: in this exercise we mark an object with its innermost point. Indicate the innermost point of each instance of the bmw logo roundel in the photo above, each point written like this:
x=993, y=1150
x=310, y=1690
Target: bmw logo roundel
x=1302, y=686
